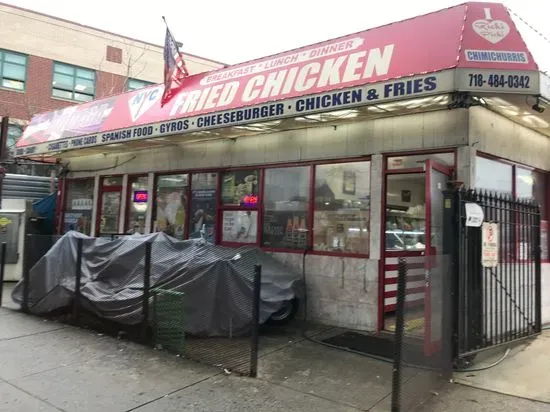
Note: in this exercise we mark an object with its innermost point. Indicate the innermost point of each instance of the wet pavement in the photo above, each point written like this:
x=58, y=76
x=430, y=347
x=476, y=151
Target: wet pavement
x=49, y=366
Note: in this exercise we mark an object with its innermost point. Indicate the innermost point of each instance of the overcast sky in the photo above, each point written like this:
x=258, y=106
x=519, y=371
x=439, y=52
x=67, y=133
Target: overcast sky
x=239, y=30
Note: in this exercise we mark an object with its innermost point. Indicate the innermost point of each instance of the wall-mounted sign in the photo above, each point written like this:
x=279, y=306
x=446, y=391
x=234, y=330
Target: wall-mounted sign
x=489, y=245
x=141, y=196
x=82, y=204
x=474, y=215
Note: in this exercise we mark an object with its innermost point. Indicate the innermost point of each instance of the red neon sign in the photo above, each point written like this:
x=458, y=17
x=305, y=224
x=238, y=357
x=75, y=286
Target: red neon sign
x=141, y=196
x=250, y=200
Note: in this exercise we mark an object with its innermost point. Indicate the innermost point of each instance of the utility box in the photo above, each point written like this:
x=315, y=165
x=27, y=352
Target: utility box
x=9, y=233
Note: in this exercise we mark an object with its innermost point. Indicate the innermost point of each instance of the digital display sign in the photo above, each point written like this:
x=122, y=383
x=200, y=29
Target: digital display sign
x=141, y=196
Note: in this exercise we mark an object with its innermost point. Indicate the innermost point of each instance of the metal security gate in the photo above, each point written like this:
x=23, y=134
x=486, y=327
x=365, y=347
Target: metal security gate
x=497, y=269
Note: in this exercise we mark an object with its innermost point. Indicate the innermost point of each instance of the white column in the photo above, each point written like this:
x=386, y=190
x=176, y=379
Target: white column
x=123, y=205
x=95, y=204
x=150, y=198
x=376, y=176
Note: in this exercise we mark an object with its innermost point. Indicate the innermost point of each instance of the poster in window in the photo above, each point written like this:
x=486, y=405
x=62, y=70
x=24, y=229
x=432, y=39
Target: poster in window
x=240, y=226
x=170, y=205
x=203, y=206
x=240, y=188
x=285, y=229
x=349, y=183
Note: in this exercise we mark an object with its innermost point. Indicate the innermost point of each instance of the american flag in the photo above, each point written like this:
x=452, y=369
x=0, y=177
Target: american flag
x=174, y=68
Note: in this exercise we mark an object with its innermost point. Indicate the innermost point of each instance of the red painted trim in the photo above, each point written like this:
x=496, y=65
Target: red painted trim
x=410, y=278
x=405, y=171
x=338, y=254
x=409, y=304
x=407, y=253
x=105, y=189
x=395, y=267
x=411, y=291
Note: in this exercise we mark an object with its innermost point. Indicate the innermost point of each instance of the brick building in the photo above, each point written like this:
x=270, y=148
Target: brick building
x=47, y=63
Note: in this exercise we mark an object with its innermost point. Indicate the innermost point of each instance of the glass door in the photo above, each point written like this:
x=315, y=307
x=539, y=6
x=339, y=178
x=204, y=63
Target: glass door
x=110, y=196
x=437, y=177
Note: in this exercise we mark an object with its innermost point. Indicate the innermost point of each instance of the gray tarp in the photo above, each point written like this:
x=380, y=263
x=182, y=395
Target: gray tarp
x=217, y=281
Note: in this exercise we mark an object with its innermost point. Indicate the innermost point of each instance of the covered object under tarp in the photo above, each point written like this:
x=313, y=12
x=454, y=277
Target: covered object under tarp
x=218, y=282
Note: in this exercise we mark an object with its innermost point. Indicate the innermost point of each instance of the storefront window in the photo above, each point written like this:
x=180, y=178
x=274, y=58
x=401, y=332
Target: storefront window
x=531, y=185
x=78, y=206
x=240, y=226
x=110, y=213
x=415, y=161
x=342, y=202
x=406, y=212
x=112, y=181
x=139, y=196
x=170, y=204
x=494, y=176
x=240, y=188
x=286, y=203
x=203, y=205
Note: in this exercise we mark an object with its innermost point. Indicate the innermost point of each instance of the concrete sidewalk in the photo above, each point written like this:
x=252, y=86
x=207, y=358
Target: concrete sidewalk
x=47, y=366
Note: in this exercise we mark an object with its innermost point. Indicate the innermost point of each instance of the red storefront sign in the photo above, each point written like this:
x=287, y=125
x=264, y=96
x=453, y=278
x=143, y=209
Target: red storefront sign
x=474, y=35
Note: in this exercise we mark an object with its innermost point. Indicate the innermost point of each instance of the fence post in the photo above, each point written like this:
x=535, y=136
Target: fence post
x=78, y=278
x=26, y=274
x=399, y=326
x=538, y=288
x=449, y=318
x=255, y=321
x=2, y=267
x=146, y=291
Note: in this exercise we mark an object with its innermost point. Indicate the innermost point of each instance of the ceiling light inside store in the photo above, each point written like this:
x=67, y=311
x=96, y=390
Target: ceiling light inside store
x=80, y=87
x=259, y=127
x=330, y=116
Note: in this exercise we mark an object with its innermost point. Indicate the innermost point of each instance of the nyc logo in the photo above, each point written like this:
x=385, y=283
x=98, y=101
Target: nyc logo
x=142, y=101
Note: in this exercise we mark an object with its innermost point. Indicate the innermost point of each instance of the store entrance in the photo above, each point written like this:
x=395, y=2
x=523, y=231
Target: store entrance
x=413, y=230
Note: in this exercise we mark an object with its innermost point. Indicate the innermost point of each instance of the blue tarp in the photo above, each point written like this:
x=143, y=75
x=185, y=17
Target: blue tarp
x=46, y=208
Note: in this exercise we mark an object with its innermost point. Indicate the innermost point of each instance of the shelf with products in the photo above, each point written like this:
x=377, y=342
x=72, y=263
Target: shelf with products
x=405, y=228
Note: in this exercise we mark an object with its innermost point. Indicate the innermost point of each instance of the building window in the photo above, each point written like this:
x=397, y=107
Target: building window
x=519, y=183
x=171, y=205
x=73, y=83
x=134, y=84
x=78, y=206
x=13, y=70
x=342, y=208
x=203, y=206
x=494, y=176
x=286, y=206
x=240, y=204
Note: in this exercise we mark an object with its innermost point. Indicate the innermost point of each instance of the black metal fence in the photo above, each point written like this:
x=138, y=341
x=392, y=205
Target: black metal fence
x=497, y=268
x=422, y=353
x=123, y=297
